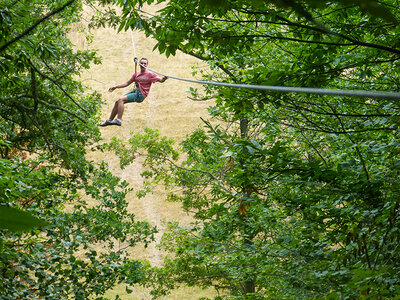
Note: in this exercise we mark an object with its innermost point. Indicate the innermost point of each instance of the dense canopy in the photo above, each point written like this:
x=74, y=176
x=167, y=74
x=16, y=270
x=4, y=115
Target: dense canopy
x=293, y=196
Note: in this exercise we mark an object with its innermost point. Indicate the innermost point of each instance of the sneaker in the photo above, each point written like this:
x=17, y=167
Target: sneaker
x=116, y=122
x=106, y=123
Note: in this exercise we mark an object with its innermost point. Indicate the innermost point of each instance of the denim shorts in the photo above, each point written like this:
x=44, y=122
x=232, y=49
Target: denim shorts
x=134, y=96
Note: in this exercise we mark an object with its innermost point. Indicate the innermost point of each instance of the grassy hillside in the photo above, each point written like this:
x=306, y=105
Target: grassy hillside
x=167, y=108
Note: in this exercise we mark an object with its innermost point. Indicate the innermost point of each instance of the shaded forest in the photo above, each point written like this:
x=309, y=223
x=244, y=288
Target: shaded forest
x=292, y=195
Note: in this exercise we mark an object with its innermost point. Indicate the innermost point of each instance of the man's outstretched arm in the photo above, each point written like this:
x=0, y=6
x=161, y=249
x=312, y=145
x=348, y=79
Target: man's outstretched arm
x=121, y=85
x=163, y=79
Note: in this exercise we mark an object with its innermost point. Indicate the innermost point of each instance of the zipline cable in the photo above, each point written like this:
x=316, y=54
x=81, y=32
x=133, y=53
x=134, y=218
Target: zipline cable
x=133, y=44
x=290, y=89
x=285, y=89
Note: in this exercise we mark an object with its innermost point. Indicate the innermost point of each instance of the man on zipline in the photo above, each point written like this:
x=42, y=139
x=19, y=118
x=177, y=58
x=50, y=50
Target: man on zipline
x=143, y=81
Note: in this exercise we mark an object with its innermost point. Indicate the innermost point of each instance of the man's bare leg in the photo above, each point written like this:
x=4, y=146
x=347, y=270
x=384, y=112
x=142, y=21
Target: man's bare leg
x=118, y=109
x=121, y=107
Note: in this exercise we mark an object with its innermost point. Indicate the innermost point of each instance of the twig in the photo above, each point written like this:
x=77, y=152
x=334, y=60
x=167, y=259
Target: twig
x=26, y=32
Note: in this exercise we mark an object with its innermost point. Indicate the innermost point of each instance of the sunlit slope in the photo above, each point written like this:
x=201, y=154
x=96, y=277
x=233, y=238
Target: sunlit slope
x=167, y=108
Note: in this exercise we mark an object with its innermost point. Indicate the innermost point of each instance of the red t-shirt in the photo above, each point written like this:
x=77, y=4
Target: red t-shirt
x=145, y=79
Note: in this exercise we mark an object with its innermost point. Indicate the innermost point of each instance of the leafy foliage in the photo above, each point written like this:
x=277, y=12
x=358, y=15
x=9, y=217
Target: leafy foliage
x=65, y=228
x=293, y=196
x=15, y=219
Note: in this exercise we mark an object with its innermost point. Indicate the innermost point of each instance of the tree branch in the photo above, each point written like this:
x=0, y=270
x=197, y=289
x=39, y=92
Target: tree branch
x=350, y=138
x=63, y=109
x=297, y=107
x=26, y=32
x=330, y=32
x=59, y=86
x=319, y=129
x=208, y=59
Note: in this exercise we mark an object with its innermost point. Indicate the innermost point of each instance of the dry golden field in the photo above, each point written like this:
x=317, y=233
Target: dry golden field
x=167, y=108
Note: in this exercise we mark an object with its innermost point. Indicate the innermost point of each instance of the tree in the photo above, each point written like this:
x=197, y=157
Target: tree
x=297, y=197
x=48, y=120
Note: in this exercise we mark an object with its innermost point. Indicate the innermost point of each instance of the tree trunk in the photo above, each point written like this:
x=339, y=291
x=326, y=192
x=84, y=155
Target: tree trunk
x=249, y=286
x=244, y=127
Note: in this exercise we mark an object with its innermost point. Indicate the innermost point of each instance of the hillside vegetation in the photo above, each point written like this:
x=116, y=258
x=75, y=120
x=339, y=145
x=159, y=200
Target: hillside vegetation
x=205, y=190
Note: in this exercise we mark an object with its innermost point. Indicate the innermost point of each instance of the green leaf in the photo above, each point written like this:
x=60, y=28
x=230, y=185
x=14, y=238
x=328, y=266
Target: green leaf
x=17, y=220
x=250, y=149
